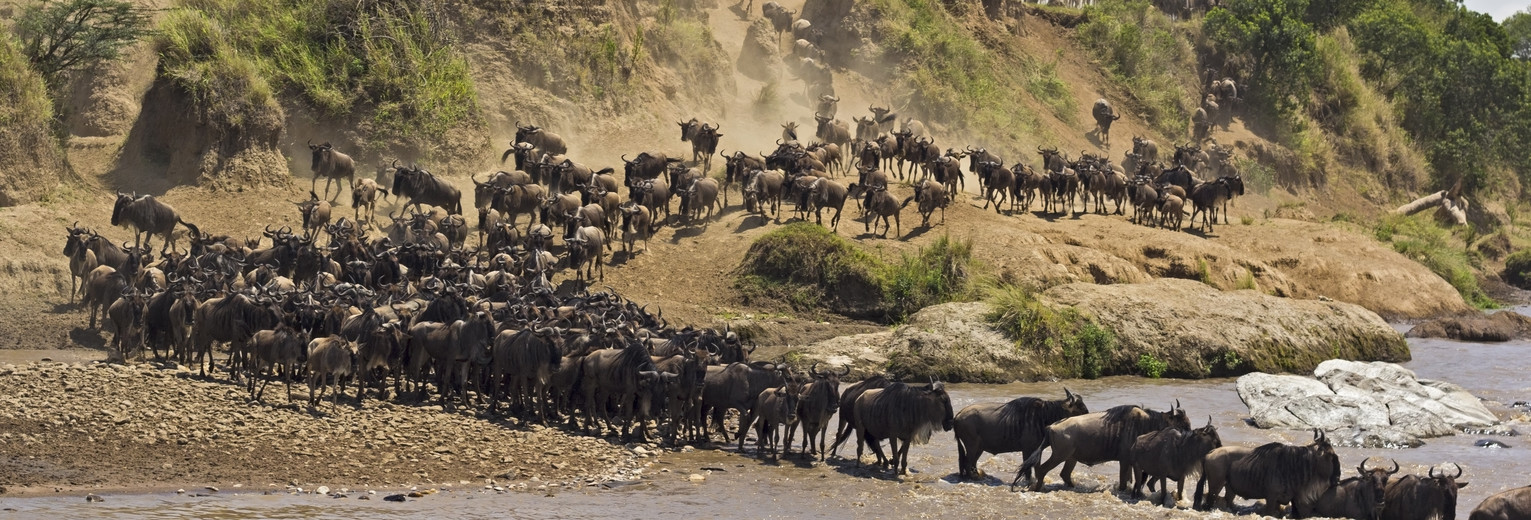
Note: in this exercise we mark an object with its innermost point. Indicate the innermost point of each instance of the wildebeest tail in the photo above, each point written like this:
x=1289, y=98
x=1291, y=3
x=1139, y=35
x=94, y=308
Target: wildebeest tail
x=1031, y=461
x=906, y=203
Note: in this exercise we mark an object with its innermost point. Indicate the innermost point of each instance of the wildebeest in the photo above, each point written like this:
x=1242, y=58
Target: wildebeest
x=1359, y=497
x=636, y=225
x=612, y=379
x=544, y=140
x=647, y=165
x=776, y=409
x=148, y=217
x=931, y=195
x=419, y=187
x=780, y=17
x=832, y=130
x=847, y=422
x=701, y=194
x=81, y=259
x=904, y=415
x=824, y=193
x=1511, y=504
x=738, y=164
x=278, y=349
x=332, y=165
x=329, y=357
x=1104, y=115
x=735, y=387
x=1146, y=149
x=1172, y=454
x=364, y=195
x=586, y=250
x=878, y=203
x=1276, y=472
x=1017, y=425
x=763, y=188
x=820, y=398
x=127, y=316
x=1171, y=211
x=1097, y=437
x=316, y=214
x=704, y=141
x=1207, y=196
x=1413, y=497
x=231, y=319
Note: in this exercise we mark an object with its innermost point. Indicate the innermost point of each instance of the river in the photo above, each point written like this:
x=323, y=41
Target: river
x=737, y=486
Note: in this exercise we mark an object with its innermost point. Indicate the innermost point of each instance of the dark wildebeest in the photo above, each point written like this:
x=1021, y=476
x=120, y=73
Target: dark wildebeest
x=148, y=217
x=761, y=190
x=332, y=165
x=451, y=348
x=931, y=195
x=232, y=319
x=734, y=169
x=780, y=17
x=1018, y=425
x=832, y=130
x=636, y=225
x=1511, y=504
x=127, y=316
x=524, y=362
x=703, y=193
x=330, y=357
x=611, y=380
x=824, y=193
x=1146, y=149
x=1104, y=116
x=878, y=203
x=1359, y=497
x=646, y=166
x=901, y=414
x=1423, y=498
x=820, y=398
x=1278, y=473
x=847, y=423
x=1097, y=437
x=735, y=387
x=586, y=249
x=544, y=140
x=704, y=141
x=1207, y=196
x=419, y=187
x=776, y=408
x=1171, y=453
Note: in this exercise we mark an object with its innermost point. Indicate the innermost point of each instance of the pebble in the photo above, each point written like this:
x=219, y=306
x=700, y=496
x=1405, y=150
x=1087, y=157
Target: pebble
x=696, y=478
x=394, y=498
x=211, y=488
x=323, y=490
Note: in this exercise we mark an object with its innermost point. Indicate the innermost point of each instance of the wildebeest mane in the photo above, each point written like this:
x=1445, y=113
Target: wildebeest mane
x=1022, y=414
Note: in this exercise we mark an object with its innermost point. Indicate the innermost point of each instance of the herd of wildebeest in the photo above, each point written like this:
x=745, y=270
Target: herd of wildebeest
x=408, y=304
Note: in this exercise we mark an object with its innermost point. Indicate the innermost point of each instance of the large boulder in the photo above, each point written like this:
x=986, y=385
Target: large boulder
x=760, y=58
x=1199, y=330
x=1499, y=326
x=1372, y=404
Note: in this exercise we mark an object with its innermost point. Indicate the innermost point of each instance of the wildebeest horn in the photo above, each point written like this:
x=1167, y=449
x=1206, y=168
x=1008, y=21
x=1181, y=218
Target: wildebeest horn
x=1177, y=405
x=1395, y=467
x=1432, y=473
x=1362, y=467
x=1209, y=419
x=1067, y=394
x=814, y=370
x=1459, y=470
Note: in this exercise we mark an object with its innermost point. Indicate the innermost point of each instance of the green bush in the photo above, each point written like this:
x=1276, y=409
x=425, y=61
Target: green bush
x=1084, y=347
x=389, y=64
x=1517, y=269
x=807, y=266
x=1433, y=246
x=32, y=155
x=810, y=267
x=1138, y=45
x=938, y=273
x=1152, y=367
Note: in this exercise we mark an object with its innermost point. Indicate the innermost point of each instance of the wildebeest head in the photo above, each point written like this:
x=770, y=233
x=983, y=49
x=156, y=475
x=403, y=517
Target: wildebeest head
x=524, y=133
x=320, y=153
x=688, y=129
x=123, y=200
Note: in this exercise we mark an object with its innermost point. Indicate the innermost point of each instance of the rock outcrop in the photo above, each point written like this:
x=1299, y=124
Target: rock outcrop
x=1499, y=326
x=760, y=58
x=1370, y=404
x=1201, y=331
x=1197, y=330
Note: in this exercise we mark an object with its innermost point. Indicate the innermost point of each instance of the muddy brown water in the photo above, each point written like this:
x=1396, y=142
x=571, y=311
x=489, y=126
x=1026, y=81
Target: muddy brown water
x=742, y=486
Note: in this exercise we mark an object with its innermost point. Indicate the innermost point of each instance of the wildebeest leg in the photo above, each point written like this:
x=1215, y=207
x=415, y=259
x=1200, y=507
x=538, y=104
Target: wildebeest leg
x=1124, y=477
x=746, y=419
x=1068, y=473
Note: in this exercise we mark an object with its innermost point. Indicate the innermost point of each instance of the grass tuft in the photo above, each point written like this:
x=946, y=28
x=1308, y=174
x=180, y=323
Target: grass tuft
x=1434, y=246
x=1139, y=47
x=1085, y=347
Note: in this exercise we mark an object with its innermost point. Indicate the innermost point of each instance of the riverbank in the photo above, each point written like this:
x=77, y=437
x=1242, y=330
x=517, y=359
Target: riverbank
x=71, y=427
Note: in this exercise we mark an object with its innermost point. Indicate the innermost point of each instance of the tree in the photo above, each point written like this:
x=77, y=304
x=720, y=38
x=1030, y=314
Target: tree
x=58, y=37
x=1273, y=34
x=1518, y=27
